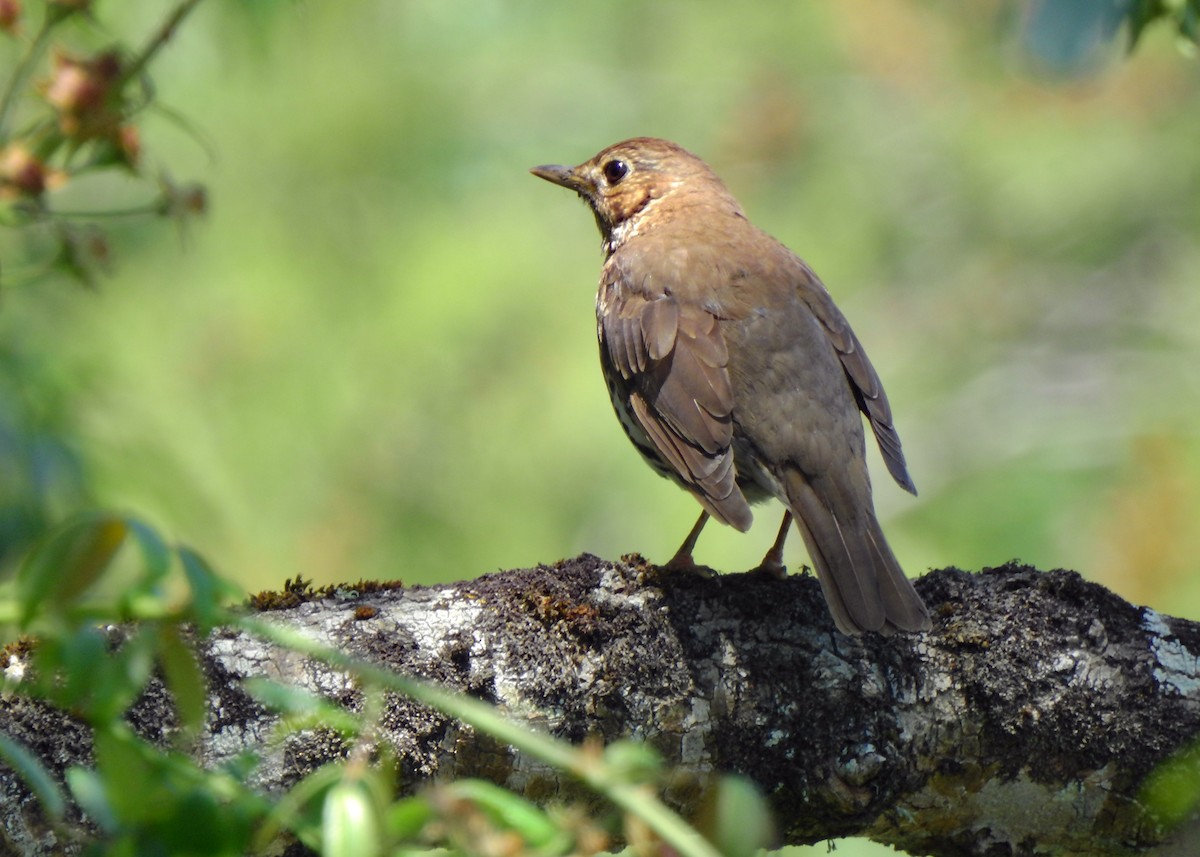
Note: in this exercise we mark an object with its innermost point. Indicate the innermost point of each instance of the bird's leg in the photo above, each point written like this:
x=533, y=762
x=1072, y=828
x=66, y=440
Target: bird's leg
x=773, y=562
x=683, y=557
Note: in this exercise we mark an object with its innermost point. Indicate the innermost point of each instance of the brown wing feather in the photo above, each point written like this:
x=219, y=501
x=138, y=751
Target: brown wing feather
x=673, y=359
x=868, y=389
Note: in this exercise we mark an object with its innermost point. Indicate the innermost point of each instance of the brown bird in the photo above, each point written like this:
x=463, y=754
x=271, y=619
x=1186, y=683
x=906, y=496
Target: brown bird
x=736, y=376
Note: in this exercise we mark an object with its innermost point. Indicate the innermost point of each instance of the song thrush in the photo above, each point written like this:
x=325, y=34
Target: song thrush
x=736, y=376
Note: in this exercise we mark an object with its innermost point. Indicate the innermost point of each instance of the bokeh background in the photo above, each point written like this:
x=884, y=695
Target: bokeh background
x=375, y=357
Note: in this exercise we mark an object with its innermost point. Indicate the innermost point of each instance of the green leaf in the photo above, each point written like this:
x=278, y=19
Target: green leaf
x=209, y=590
x=68, y=561
x=350, y=821
x=122, y=675
x=79, y=671
x=30, y=770
x=289, y=811
x=184, y=679
x=302, y=709
x=1172, y=790
x=510, y=811
x=88, y=789
x=634, y=761
x=1138, y=15
x=156, y=556
x=589, y=767
x=1184, y=15
x=65, y=668
x=406, y=818
x=124, y=766
x=735, y=817
x=1189, y=21
x=197, y=825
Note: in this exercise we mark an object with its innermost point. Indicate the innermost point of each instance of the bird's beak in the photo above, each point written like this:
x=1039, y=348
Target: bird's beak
x=560, y=175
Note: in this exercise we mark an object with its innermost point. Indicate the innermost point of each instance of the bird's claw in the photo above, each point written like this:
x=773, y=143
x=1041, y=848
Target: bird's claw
x=685, y=563
x=772, y=567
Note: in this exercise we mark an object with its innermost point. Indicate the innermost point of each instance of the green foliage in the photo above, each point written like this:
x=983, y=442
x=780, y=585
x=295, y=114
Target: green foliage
x=71, y=117
x=144, y=798
x=43, y=477
x=67, y=116
x=149, y=799
x=350, y=820
x=67, y=564
x=1172, y=791
x=1071, y=35
x=1183, y=15
x=736, y=819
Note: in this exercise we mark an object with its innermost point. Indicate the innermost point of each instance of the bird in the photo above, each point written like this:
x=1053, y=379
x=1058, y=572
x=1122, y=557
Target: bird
x=736, y=376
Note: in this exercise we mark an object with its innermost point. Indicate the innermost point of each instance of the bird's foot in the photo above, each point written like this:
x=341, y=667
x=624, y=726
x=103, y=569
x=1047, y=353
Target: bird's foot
x=772, y=563
x=684, y=562
x=770, y=566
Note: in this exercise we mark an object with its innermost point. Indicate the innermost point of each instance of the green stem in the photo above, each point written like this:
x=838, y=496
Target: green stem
x=135, y=211
x=54, y=14
x=164, y=34
x=632, y=798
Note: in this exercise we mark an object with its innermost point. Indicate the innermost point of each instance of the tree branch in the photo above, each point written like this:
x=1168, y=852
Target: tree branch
x=1024, y=723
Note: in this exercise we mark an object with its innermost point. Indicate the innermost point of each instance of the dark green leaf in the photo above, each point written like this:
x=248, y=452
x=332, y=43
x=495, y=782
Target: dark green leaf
x=1189, y=21
x=68, y=561
x=1141, y=13
x=184, y=679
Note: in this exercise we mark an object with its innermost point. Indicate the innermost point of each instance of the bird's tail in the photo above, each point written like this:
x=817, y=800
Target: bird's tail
x=864, y=586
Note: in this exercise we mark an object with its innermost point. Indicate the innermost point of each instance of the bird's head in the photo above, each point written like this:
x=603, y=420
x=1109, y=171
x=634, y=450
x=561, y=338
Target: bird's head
x=625, y=181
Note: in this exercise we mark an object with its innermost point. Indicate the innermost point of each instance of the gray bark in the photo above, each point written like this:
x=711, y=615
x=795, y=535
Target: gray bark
x=1024, y=723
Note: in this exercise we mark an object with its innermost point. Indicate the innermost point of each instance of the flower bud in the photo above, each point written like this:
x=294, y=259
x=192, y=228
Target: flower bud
x=10, y=16
x=80, y=90
x=21, y=173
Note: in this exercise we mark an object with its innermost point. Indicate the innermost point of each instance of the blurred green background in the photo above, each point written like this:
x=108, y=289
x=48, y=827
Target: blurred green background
x=375, y=358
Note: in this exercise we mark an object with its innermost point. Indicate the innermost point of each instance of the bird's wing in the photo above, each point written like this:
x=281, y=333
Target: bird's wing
x=672, y=359
x=868, y=389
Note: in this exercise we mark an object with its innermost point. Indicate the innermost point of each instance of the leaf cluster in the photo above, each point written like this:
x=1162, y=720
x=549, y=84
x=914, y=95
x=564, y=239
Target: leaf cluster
x=104, y=605
x=67, y=113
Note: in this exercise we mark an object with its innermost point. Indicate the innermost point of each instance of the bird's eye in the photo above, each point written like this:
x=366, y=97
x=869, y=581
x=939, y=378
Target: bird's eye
x=615, y=170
